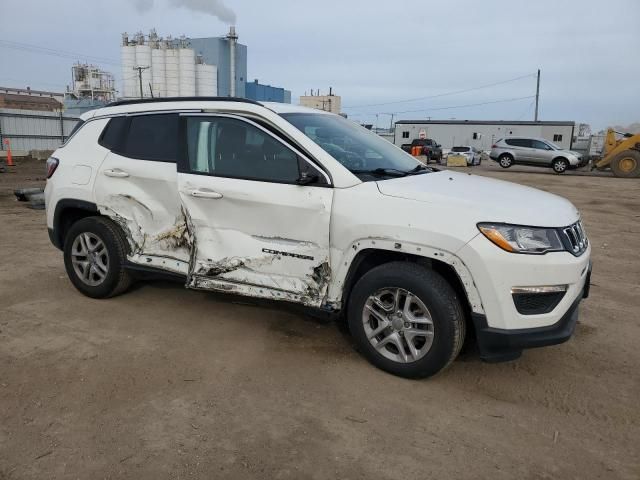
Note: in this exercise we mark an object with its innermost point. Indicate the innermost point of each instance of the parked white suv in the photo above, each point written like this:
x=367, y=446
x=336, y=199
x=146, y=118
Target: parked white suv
x=288, y=203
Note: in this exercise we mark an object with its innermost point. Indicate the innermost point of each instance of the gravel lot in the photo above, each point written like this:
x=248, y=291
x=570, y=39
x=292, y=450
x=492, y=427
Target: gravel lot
x=168, y=383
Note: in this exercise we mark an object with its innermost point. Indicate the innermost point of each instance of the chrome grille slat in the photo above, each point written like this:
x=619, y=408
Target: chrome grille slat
x=577, y=238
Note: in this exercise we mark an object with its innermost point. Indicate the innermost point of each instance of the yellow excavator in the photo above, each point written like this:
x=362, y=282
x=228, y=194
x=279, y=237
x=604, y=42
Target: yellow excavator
x=622, y=155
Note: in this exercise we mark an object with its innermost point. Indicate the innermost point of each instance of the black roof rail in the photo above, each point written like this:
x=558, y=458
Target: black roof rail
x=134, y=101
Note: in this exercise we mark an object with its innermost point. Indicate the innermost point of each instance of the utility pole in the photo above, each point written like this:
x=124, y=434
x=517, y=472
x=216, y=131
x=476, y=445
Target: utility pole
x=140, y=69
x=537, y=96
x=391, y=125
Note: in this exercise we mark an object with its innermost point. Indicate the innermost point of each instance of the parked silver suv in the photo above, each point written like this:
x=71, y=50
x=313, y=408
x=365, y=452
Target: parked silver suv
x=535, y=152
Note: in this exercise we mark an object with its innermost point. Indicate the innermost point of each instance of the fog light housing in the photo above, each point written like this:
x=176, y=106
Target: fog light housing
x=537, y=300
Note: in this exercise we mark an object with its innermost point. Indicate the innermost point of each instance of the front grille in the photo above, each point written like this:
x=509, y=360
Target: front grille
x=575, y=238
x=536, y=303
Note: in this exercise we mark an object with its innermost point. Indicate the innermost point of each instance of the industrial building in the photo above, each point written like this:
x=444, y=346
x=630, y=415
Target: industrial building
x=230, y=59
x=153, y=66
x=481, y=134
x=91, y=87
x=28, y=99
x=329, y=103
x=266, y=93
x=211, y=66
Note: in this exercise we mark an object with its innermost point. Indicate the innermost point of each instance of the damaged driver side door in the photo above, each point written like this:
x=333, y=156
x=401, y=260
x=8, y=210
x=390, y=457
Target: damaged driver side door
x=257, y=208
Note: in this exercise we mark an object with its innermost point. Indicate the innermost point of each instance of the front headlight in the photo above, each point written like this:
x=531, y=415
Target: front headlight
x=519, y=239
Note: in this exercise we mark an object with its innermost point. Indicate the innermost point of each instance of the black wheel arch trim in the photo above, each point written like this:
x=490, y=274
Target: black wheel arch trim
x=56, y=233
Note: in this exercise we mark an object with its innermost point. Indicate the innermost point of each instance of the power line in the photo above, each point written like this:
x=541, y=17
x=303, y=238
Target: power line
x=429, y=109
x=54, y=52
x=524, y=114
x=457, y=92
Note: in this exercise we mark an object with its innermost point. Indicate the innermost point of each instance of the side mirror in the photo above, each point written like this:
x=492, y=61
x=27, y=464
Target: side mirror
x=307, y=179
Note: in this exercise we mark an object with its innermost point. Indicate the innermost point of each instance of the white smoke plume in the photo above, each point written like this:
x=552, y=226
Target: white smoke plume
x=217, y=8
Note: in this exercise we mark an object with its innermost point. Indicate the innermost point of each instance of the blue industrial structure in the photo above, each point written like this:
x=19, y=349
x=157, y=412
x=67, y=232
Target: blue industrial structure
x=266, y=93
x=215, y=51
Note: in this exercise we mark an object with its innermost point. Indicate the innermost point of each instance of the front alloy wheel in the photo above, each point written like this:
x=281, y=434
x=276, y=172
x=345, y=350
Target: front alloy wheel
x=398, y=325
x=560, y=165
x=406, y=319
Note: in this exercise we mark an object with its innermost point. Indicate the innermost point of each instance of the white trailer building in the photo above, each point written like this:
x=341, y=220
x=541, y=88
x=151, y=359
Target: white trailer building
x=480, y=133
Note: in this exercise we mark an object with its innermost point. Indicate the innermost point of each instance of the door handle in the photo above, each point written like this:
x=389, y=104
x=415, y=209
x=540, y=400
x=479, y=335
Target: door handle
x=205, y=194
x=116, y=173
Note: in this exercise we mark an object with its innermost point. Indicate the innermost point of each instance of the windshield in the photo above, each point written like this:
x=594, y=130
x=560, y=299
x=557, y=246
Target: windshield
x=363, y=152
x=553, y=145
x=460, y=149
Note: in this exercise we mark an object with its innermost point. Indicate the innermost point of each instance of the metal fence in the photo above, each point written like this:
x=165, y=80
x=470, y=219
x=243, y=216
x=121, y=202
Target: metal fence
x=34, y=129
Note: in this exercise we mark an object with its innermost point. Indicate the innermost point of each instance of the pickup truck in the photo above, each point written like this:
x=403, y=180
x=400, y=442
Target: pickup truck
x=292, y=204
x=430, y=148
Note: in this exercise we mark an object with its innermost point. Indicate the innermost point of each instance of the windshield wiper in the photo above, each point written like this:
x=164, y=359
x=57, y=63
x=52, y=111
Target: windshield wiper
x=383, y=172
x=394, y=172
x=419, y=169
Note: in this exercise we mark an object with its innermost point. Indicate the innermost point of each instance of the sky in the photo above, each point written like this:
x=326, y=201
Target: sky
x=375, y=54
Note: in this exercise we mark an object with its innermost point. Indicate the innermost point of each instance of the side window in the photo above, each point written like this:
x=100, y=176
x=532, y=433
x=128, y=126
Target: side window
x=557, y=137
x=405, y=134
x=153, y=137
x=537, y=144
x=228, y=147
x=113, y=134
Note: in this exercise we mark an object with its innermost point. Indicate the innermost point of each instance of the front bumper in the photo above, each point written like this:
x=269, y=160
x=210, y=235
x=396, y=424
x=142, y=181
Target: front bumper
x=499, y=345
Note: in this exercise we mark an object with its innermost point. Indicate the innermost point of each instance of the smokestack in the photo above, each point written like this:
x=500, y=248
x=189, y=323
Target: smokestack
x=233, y=38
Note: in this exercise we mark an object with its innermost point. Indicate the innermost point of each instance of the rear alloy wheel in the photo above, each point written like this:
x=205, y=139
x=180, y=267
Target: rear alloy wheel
x=505, y=161
x=406, y=319
x=626, y=164
x=560, y=165
x=90, y=259
x=95, y=252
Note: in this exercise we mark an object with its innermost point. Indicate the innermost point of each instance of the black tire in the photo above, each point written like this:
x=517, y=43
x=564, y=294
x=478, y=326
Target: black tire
x=439, y=298
x=117, y=280
x=626, y=164
x=505, y=161
x=560, y=165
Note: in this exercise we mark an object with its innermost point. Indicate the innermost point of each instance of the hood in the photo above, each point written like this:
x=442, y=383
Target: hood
x=489, y=199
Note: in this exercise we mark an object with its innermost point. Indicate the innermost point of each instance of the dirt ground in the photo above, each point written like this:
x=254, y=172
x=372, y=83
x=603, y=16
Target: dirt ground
x=168, y=383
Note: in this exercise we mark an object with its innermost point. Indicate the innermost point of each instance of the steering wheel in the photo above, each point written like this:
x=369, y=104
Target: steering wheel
x=352, y=161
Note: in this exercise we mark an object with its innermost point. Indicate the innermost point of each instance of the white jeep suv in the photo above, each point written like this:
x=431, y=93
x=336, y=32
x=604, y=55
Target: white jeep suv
x=294, y=204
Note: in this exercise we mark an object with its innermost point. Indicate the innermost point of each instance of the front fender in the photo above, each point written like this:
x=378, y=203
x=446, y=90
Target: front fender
x=343, y=259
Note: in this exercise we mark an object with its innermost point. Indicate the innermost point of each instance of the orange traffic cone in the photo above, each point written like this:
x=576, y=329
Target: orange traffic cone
x=9, y=156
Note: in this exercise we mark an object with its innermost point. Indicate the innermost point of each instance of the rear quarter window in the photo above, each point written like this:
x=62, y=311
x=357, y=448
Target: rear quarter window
x=112, y=136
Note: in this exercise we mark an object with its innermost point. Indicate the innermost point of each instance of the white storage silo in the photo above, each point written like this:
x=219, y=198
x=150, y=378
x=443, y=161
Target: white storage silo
x=143, y=59
x=187, y=60
x=206, y=80
x=129, y=75
x=172, y=72
x=158, y=72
